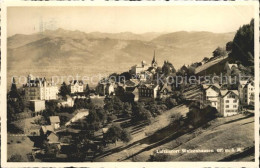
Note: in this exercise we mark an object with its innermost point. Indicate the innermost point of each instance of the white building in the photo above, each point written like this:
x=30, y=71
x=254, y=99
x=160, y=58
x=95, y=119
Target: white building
x=76, y=86
x=137, y=69
x=246, y=90
x=211, y=95
x=66, y=103
x=40, y=89
x=37, y=105
x=229, y=102
x=55, y=121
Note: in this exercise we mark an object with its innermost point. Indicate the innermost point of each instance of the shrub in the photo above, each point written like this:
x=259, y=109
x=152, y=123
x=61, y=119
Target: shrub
x=159, y=157
x=15, y=158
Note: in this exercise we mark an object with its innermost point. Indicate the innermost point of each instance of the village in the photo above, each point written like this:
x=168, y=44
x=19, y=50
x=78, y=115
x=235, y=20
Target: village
x=63, y=123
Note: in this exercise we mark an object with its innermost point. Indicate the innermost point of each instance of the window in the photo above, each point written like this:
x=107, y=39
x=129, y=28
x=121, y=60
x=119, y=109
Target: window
x=234, y=101
x=234, y=106
x=227, y=106
x=227, y=101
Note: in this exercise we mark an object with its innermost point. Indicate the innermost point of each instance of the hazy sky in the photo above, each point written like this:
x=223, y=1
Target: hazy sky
x=26, y=20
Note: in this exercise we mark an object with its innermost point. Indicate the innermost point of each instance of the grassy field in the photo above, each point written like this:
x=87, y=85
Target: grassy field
x=19, y=145
x=232, y=132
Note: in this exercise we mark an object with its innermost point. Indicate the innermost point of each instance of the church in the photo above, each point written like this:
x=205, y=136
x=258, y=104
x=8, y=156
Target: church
x=141, y=68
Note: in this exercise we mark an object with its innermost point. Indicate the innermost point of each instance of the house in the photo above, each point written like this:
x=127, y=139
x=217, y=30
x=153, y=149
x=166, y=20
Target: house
x=230, y=67
x=52, y=138
x=40, y=89
x=37, y=105
x=66, y=103
x=165, y=91
x=246, y=92
x=148, y=91
x=76, y=86
x=132, y=93
x=44, y=129
x=229, y=102
x=211, y=95
x=55, y=121
x=105, y=89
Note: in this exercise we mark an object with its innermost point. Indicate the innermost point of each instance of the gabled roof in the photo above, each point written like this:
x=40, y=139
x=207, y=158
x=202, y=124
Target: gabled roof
x=207, y=86
x=80, y=82
x=149, y=86
x=54, y=119
x=232, y=65
x=47, y=128
x=167, y=87
x=243, y=82
x=223, y=93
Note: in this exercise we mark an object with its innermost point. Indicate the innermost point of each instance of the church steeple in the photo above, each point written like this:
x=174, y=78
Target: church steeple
x=154, y=63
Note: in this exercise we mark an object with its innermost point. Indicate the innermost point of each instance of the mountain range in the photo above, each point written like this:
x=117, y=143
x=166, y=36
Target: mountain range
x=63, y=51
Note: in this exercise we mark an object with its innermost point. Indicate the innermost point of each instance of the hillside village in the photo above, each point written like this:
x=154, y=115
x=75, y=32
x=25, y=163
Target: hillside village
x=73, y=122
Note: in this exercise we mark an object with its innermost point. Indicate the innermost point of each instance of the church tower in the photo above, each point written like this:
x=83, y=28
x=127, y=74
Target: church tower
x=154, y=62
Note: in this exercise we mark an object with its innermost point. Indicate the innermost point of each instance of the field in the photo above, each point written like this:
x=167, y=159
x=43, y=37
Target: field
x=232, y=132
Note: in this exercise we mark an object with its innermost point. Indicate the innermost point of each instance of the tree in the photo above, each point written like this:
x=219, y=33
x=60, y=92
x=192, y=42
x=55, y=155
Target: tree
x=229, y=46
x=243, y=45
x=125, y=136
x=87, y=90
x=113, y=134
x=127, y=110
x=219, y=52
x=168, y=68
x=14, y=92
x=205, y=59
x=64, y=90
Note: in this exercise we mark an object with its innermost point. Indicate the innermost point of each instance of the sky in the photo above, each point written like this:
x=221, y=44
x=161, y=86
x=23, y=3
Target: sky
x=138, y=19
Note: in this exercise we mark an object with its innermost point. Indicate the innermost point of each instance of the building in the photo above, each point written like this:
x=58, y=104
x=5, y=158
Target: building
x=246, y=92
x=105, y=89
x=37, y=105
x=154, y=62
x=165, y=91
x=78, y=116
x=230, y=67
x=76, y=86
x=137, y=69
x=66, y=103
x=40, y=89
x=148, y=91
x=52, y=138
x=229, y=102
x=211, y=95
x=46, y=128
x=55, y=121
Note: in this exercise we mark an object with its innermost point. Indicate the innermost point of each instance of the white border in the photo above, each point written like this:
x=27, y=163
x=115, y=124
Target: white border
x=4, y=162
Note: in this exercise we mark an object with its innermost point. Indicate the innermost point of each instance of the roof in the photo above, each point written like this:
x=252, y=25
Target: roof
x=104, y=130
x=231, y=66
x=46, y=128
x=207, y=86
x=76, y=81
x=225, y=92
x=168, y=87
x=243, y=82
x=54, y=119
x=149, y=86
